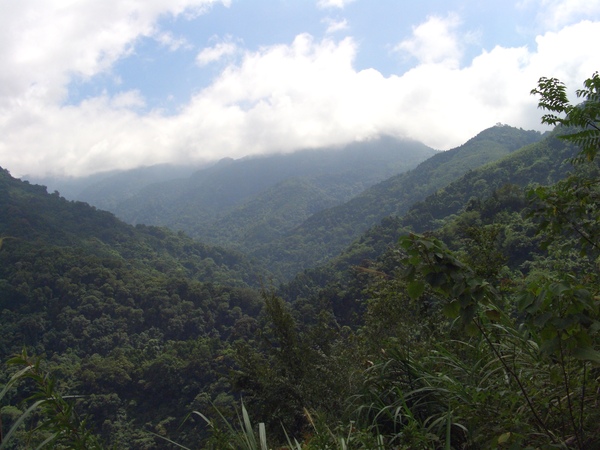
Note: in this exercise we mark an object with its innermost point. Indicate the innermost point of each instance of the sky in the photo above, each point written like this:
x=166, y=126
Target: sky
x=88, y=86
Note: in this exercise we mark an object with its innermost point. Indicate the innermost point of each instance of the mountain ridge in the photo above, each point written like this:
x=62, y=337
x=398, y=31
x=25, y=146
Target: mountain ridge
x=326, y=233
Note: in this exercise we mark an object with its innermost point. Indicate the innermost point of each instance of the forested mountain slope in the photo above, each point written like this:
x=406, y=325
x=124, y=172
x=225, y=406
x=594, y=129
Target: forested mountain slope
x=273, y=212
x=217, y=197
x=490, y=315
x=106, y=190
x=476, y=334
x=543, y=162
x=327, y=233
x=127, y=316
x=32, y=216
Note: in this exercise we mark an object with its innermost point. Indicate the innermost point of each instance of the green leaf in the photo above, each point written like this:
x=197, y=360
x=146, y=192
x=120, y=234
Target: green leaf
x=540, y=321
x=587, y=354
x=436, y=279
x=416, y=288
x=452, y=309
x=492, y=314
x=504, y=438
x=471, y=329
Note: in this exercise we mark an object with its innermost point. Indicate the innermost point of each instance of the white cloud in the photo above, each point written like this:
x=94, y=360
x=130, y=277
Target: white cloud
x=554, y=14
x=215, y=53
x=434, y=41
x=279, y=98
x=333, y=26
x=127, y=100
x=44, y=44
x=324, y=4
x=167, y=39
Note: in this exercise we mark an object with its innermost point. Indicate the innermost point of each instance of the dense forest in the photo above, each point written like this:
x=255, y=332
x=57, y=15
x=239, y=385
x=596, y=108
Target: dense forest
x=452, y=306
x=299, y=210
x=235, y=202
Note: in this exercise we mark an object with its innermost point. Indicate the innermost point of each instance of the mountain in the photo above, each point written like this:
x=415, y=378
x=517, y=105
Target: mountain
x=144, y=325
x=507, y=263
x=218, y=197
x=107, y=189
x=325, y=234
x=298, y=210
x=543, y=162
x=34, y=217
x=128, y=315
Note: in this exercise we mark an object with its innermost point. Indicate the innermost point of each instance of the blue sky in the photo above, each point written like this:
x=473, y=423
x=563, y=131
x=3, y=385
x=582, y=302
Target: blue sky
x=168, y=77
x=95, y=85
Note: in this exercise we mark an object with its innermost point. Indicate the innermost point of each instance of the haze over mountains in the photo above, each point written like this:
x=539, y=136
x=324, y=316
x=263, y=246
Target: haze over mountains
x=500, y=182
x=293, y=211
x=230, y=182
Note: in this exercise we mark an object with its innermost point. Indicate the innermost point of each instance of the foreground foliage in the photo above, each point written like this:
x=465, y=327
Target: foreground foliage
x=56, y=424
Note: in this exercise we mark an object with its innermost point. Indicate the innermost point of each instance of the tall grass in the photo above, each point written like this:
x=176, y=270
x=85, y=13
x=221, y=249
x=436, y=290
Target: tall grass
x=53, y=417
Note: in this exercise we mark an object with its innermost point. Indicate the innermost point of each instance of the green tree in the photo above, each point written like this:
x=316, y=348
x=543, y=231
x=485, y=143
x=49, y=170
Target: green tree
x=585, y=116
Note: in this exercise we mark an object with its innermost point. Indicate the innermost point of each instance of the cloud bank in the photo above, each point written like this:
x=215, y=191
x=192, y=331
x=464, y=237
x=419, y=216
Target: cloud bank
x=279, y=98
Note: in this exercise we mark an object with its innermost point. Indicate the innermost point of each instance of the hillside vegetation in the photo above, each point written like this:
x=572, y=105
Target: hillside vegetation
x=125, y=315
x=220, y=197
x=327, y=233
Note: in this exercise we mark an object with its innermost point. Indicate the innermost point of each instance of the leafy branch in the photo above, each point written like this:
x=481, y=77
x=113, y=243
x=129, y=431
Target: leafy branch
x=585, y=116
x=452, y=279
x=58, y=417
x=560, y=315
